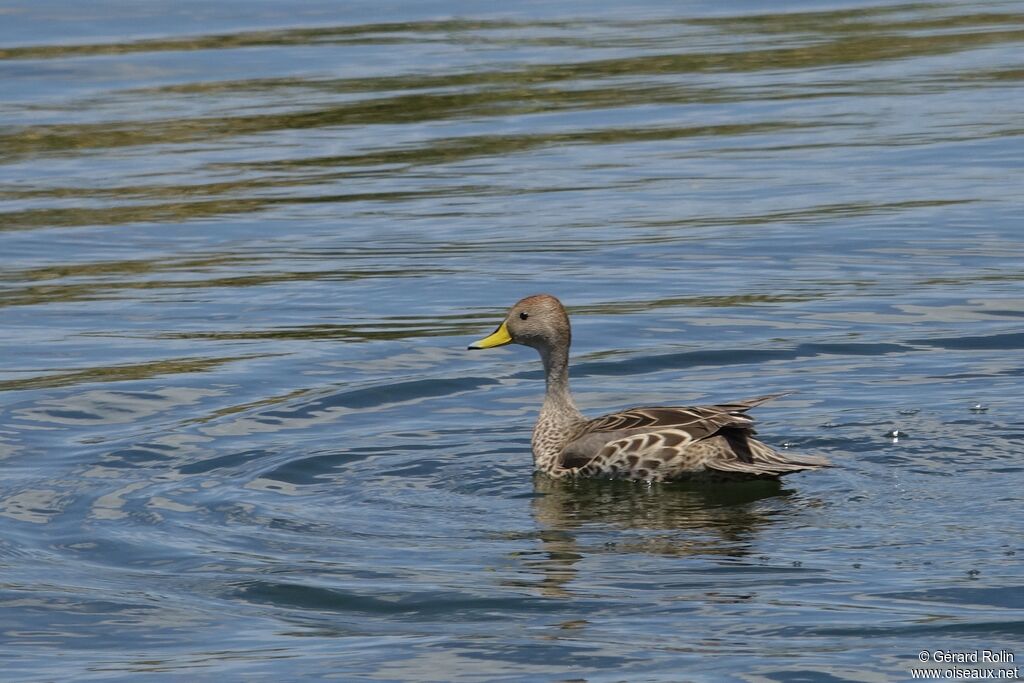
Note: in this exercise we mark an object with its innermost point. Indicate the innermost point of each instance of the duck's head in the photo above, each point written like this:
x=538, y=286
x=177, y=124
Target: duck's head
x=539, y=321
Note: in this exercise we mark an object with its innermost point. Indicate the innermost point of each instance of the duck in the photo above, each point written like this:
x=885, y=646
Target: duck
x=653, y=444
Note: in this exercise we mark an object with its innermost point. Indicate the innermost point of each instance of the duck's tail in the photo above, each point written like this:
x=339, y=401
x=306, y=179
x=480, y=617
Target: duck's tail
x=757, y=459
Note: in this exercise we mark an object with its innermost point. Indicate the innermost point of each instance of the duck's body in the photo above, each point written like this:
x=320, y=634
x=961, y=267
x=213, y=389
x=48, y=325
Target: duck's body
x=654, y=444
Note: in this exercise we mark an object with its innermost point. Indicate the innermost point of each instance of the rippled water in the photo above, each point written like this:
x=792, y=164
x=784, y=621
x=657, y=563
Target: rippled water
x=244, y=246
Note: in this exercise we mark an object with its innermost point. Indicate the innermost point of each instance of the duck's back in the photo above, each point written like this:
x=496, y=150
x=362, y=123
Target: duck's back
x=665, y=443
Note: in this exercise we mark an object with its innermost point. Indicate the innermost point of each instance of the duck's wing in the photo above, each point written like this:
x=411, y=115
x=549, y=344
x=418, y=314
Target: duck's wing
x=698, y=421
x=667, y=443
x=668, y=454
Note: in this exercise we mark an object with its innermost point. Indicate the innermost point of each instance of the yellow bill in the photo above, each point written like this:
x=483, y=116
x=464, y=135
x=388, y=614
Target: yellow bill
x=500, y=337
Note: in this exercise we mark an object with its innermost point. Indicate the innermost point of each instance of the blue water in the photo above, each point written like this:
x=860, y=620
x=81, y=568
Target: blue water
x=244, y=246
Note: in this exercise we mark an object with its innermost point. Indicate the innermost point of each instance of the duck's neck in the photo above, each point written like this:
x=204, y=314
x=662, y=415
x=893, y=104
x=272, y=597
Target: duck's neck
x=558, y=416
x=558, y=399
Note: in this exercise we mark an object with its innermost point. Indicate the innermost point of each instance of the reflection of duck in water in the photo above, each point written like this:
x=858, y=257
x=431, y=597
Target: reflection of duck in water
x=654, y=444
x=671, y=519
x=728, y=512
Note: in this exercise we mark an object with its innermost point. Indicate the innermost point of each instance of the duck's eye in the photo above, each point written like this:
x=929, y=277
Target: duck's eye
x=524, y=315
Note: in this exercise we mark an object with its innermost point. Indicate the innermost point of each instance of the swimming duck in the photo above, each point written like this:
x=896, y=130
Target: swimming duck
x=654, y=444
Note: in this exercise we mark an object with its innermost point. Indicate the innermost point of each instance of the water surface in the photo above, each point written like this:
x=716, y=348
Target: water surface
x=244, y=246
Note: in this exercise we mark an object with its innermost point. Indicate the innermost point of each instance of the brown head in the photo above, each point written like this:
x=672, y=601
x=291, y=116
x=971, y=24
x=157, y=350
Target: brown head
x=539, y=321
